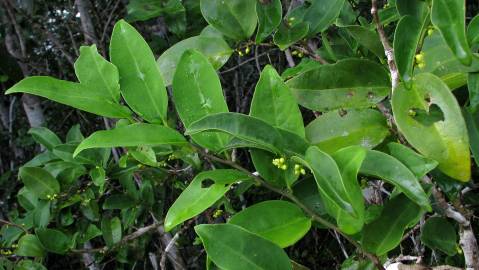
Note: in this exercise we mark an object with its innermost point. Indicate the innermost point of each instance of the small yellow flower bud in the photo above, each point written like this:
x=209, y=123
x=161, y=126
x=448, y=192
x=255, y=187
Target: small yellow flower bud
x=284, y=167
x=419, y=57
x=303, y=172
x=421, y=65
x=247, y=50
x=411, y=113
x=240, y=53
x=281, y=160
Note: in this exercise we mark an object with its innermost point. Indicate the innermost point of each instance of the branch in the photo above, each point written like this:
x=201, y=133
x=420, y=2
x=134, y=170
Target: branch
x=388, y=50
x=289, y=195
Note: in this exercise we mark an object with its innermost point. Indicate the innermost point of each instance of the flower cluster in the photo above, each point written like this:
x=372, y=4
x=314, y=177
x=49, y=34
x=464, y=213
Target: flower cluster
x=420, y=60
x=280, y=163
x=52, y=197
x=298, y=169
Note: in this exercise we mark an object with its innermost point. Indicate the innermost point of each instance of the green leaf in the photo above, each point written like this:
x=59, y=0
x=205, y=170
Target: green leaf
x=440, y=60
x=111, y=230
x=367, y=38
x=29, y=246
x=236, y=19
x=118, y=201
x=140, y=78
x=98, y=176
x=213, y=47
x=288, y=34
x=74, y=134
x=242, y=126
x=406, y=40
x=231, y=247
x=72, y=94
x=274, y=103
x=39, y=181
x=338, y=186
x=41, y=214
x=350, y=83
x=472, y=122
x=386, y=232
x=321, y=14
x=29, y=265
x=473, y=31
x=45, y=137
x=139, y=134
x=418, y=164
x=438, y=233
x=54, y=240
x=205, y=189
x=337, y=129
x=416, y=9
x=450, y=18
x=391, y=170
x=281, y=222
x=197, y=93
x=473, y=87
x=93, y=71
x=269, y=14
x=444, y=139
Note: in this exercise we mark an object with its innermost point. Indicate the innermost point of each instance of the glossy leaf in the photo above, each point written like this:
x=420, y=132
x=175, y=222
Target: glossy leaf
x=45, y=137
x=439, y=60
x=140, y=78
x=205, y=189
x=213, y=47
x=39, y=181
x=444, y=139
x=351, y=83
x=418, y=164
x=274, y=103
x=473, y=87
x=132, y=135
x=391, y=170
x=93, y=71
x=450, y=18
x=473, y=31
x=244, y=127
x=414, y=8
x=111, y=230
x=337, y=129
x=472, y=121
x=197, y=93
x=29, y=246
x=269, y=14
x=321, y=14
x=53, y=240
x=338, y=186
x=281, y=222
x=236, y=19
x=234, y=248
x=288, y=34
x=72, y=94
x=406, y=40
x=386, y=232
x=438, y=233
x=368, y=38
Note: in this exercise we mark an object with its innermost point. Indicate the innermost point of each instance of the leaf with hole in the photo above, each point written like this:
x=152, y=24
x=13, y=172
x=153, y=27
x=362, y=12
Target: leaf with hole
x=446, y=140
x=205, y=189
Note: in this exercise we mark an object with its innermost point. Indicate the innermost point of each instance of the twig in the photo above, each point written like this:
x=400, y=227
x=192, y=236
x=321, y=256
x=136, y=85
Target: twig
x=289, y=58
x=14, y=225
x=287, y=194
x=167, y=250
x=388, y=50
